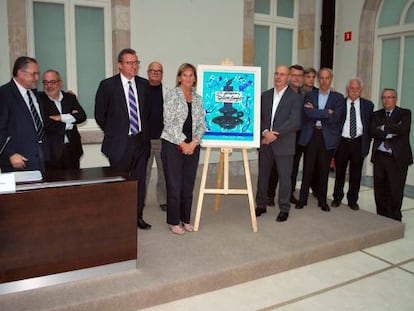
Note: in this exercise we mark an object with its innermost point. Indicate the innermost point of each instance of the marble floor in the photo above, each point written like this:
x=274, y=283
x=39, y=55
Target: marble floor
x=377, y=278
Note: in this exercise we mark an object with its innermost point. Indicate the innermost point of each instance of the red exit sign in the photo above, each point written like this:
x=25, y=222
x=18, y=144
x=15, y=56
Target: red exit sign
x=348, y=36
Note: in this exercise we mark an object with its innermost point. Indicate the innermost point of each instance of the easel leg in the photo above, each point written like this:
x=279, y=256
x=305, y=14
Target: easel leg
x=219, y=181
x=202, y=188
x=249, y=190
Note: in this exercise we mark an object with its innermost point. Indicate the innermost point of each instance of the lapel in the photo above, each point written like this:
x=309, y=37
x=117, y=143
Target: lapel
x=119, y=89
x=20, y=100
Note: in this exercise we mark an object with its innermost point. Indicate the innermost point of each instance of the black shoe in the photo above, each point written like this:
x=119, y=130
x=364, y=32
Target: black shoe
x=163, y=207
x=142, y=224
x=299, y=205
x=335, y=203
x=325, y=207
x=354, y=206
x=282, y=217
x=293, y=200
x=260, y=210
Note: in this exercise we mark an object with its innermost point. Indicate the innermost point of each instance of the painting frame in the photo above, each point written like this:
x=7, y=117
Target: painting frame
x=231, y=100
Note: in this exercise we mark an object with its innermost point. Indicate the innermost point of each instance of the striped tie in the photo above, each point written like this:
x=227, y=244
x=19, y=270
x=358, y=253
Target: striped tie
x=36, y=119
x=134, y=119
x=352, y=121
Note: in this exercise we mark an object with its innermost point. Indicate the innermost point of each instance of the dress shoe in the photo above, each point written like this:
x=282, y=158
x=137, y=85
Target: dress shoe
x=163, y=207
x=325, y=207
x=335, y=203
x=142, y=224
x=260, y=210
x=354, y=206
x=293, y=200
x=299, y=205
x=282, y=217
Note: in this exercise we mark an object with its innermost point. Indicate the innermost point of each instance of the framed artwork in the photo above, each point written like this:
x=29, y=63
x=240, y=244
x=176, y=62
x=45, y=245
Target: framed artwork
x=231, y=97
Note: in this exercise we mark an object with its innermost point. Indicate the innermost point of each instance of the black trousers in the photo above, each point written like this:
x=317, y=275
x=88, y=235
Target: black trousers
x=317, y=160
x=67, y=160
x=389, y=182
x=180, y=173
x=134, y=162
x=348, y=151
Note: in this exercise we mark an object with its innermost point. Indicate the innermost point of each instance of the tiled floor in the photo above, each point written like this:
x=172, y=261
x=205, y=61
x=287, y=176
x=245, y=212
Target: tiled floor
x=376, y=278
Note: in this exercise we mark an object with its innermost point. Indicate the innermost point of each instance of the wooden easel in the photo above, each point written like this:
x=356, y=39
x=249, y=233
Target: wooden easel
x=224, y=159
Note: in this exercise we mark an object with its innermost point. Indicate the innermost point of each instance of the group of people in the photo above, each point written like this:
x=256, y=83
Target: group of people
x=142, y=120
x=298, y=118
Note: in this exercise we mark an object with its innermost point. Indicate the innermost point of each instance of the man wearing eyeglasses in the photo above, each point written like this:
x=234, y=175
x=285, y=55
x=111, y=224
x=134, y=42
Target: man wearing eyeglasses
x=64, y=112
x=157, y=92
x=122, y=111
x=391, y=154
x=23, y=143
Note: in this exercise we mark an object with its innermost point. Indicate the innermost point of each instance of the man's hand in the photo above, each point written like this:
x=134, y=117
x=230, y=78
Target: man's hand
x=269, y=137
x=308, y=105
x=56, y=117
x=18, y=161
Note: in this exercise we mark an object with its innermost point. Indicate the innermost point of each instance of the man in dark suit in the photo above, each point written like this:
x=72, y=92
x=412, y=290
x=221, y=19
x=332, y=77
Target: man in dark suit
x=64, y=111
x=21, y=120
x=321, y=132
x=122, y=112
x=354, y=144
x=391, y=154
x=280, y=112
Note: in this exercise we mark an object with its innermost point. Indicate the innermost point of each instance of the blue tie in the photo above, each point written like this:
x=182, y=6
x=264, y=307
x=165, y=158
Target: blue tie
x=134, y=119
x=36, y=119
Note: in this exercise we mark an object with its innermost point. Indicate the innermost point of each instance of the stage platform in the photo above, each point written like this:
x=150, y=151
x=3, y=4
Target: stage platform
x=222, y=253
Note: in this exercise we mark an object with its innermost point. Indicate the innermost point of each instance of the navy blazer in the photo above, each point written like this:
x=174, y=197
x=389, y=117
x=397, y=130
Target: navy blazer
x=111, y=114
x=398, y=123
x=56, y=130
x=331, y=123
x=16, y=122
x=366, y=110
x=286, y=120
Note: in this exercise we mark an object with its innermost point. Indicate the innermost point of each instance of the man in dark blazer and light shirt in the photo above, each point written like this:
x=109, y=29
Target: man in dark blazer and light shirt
x=122, y=112
x=391, y=154
x=321, y=131
x=354, y=144
x=280, y=114
x=64, y=112
x=22, y=120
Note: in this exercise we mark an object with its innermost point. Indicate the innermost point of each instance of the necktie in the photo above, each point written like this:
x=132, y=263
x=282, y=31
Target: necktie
x=387, y=145
x=36, y=118
x=134, y=119
x=352, y=121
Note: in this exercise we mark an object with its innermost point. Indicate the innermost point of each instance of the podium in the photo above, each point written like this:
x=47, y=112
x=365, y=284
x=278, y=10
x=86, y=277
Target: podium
x=72, y=221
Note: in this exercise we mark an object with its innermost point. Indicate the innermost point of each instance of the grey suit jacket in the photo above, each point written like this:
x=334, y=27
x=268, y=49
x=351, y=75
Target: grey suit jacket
x=287, y=116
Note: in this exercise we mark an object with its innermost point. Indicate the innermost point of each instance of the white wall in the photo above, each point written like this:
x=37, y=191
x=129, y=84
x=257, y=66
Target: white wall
x=5, y=73
x=348, y=14
x=194, y=31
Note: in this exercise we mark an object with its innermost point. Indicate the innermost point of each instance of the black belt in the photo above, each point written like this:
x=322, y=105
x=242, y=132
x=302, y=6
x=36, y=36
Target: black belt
x=351, y=139
x=384, y=153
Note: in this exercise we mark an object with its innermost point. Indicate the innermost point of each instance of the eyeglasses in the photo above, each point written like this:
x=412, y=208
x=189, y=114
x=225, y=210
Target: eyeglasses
x=153, y=71
x=131, y=63
x=33, y=74
x=51, y=82
x=388, y=97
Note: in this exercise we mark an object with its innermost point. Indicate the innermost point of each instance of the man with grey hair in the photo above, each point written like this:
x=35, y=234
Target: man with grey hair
x=354, y=144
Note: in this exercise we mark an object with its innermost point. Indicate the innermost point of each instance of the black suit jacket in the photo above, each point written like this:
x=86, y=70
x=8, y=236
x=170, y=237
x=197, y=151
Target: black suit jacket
x=286, y=120
x=56, y=129
x=366, y=111
x=398, y=123
x=16, y=122
x=111, y=114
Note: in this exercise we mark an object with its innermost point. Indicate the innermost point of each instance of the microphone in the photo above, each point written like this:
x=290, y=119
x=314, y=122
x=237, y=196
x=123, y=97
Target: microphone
x=4, y=145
